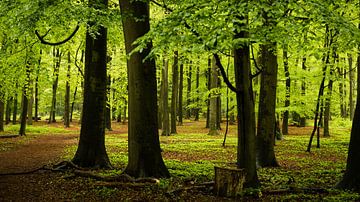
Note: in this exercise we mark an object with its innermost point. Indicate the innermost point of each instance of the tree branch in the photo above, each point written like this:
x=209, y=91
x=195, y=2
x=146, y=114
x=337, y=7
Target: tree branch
x=42, y=40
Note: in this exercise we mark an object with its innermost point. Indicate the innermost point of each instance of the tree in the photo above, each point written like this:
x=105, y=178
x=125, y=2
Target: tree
x=287, y=96
x=67, y=95
x=180, y=97
x=145, y=158
x=165, y=107
x=57, y=61
x=91, y=152
x=174, y=93
x=2, y=110
x=214, y=94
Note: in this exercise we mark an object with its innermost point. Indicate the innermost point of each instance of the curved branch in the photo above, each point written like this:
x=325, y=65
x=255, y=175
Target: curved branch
x=42, y=40
x=223, y=74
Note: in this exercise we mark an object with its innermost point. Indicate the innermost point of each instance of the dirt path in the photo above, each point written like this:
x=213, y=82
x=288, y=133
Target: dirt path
x=33, y=154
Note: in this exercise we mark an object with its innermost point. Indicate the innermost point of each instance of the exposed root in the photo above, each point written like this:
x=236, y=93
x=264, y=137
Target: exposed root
x=206, y=186
x=297, y=190
x=9, y=136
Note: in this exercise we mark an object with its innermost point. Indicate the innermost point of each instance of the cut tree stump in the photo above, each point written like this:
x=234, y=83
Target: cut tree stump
x=229, y=181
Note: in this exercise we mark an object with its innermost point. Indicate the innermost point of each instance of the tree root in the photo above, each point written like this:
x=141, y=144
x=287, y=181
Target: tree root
x=297, y=190
x=203, y=186
x=26, y=172
x=9, y=136
x=123, y=178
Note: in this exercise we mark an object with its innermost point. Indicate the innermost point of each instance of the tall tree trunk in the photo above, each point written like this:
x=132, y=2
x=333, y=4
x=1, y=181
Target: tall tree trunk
x=342, y=92
x=125, y=111
x=197, y=109
x=188, y=95
x=67, y=95
x=266, y=115
x=328, y=97
x=351, y=177
x=180, y=99
x=8, y=111
x=218, y=106
x=91, y=152
x=15, y=106
x=174, y=94
x=2, y=110
x=303, y=93
x=108, y=106
x=25, y=100
x=285, y=123
x=57, y=61
x=30, y=102
x=145, y=158
x=213, y=116
x=246, y=148
x=165, y=107
x=208, y=77
x=352, y=84
x=37, y=89
x=73, y=104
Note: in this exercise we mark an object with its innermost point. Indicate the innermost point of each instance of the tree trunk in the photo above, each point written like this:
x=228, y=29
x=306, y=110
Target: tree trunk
x=108, y=106
x=213, y=116
x=197, y=109
x=246, y=148
x=125, y=111
x=342, y=90
x=73, y=104
x=37, y=89
x=303, y=93
x=218, y=106
x=8, y=111
x=328, y=98
x=351, y=177
x=15, y=106
x=165, y=107
x=67, y=95
x=57, y=60
x=351, y=86
x=174, y=94
x=30, y=102
x=181, y=87
x=25, y=100
x=2, y=110
x=145, y=158
x=285, y=124
x=208, y=77
x=91, y=152
x=267, y=103
x=188, y=95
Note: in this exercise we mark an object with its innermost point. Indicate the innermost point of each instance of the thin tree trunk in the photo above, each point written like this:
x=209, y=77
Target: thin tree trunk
x=328, y=98
x=352, y=84
x=72, y=104
x=218, y=106
x=285, y=124
x=208, y=76
x=174, y=94
x=8, y=111
x=25, y=100
x=145, y=158
x=188, y=95
x=165, y=107
x=2, y=110
x=67, y=95
x=37, y=89
x=180, y=99
x=15, y=106
x=30, y=102
x=125, y=112
x=108, y=106
x=213, y=116
x=197, y=109
x=55, y=85
x=303, y=93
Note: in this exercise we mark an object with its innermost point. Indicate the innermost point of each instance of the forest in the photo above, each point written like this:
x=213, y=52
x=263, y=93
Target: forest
x=143, y=100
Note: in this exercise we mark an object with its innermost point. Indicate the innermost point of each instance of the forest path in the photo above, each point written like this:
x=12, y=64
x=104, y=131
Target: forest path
x=35, y=153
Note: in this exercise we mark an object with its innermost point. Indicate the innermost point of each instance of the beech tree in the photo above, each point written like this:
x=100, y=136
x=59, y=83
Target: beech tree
x=91, y=150
x=145, y=158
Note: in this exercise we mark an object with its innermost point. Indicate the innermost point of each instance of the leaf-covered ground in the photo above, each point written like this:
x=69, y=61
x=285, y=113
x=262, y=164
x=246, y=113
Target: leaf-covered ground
x=190, y=157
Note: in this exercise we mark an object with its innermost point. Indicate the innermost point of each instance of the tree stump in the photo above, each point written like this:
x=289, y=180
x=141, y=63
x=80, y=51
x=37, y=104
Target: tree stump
x=229, y=181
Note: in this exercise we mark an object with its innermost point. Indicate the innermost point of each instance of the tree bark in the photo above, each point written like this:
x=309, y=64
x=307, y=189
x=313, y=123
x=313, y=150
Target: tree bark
x=57, y=60
x=267, y=103
x=351, y=86
x=108, y=106
x=285, y=124
x=197, y=109
x=36, y=114
x=91, y=152
x=2, y=110
x=165, y=107
x=25, y=100
x=213, y=116
x=15, y=107
x=246, y=148
x=174, y=94
x=180, y=99
x=67, y=95
x=30, y=102
x=8, y=111
x=303, y=93
x=208, y=77
x=145, y=158
x=188, y=95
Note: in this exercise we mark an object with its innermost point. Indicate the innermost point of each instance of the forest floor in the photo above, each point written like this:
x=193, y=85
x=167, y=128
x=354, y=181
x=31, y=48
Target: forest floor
x=190, y=157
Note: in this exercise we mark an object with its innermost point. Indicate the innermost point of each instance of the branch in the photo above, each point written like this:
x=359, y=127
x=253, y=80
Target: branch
x=162, y=5
x=223, y=74
x=42, y=40
x=76, y=56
